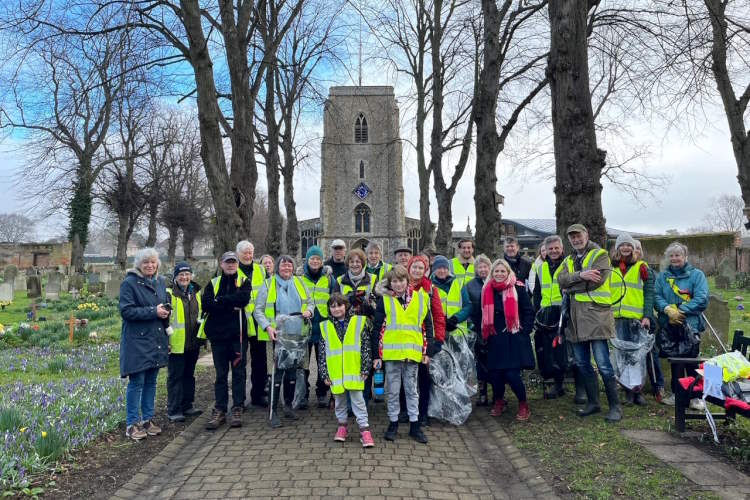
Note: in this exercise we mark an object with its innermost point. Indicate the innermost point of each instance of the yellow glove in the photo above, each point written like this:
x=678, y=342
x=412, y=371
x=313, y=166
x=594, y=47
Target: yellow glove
x=676, y=317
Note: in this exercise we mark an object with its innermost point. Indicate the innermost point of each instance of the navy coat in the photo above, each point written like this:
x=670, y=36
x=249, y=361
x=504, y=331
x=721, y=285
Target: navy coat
x=512, y=351
x=143, y=342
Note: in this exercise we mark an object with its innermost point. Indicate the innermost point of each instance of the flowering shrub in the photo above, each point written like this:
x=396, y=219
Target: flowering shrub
x=55, y=417
x=93, y=306
x=57, y=358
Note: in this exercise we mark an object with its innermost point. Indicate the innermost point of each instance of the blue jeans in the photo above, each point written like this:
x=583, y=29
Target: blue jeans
x=141, y=395
x=582, y=353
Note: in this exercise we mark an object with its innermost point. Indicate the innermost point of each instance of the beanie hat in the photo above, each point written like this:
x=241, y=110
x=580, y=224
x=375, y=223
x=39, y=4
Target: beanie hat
x=440, y=261
x=182, y=266
x=623, y=238
x=314, y=251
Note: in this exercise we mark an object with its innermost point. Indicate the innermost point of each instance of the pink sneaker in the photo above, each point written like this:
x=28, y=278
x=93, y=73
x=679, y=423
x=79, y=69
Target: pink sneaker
x=366, y=438
x=341, y=434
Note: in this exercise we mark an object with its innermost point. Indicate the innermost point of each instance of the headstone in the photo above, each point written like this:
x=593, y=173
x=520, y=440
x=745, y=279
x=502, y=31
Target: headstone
x=6, y=292
x=10, y=273
x=20, y=282
x=718, y=315
x=725, y=275
x=54, y=285
x=95, y=288
x=92, y=278
x=33, y=287
x=76, y=282
x=112, y=287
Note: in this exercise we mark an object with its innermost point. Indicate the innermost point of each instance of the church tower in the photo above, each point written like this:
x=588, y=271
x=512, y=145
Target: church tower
x=361, y=189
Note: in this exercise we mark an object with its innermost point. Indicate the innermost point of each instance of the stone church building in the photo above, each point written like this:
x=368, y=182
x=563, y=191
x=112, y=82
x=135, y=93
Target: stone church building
x=361, y=184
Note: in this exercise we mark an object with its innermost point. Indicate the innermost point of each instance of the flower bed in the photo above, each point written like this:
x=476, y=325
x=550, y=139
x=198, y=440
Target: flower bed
x=57, y=358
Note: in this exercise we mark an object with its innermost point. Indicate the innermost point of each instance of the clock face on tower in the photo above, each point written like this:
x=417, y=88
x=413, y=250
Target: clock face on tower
x=362, y=191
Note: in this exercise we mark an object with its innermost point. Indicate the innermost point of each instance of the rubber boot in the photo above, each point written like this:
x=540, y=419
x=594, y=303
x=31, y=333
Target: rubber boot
x=275, y=419
x=482, y=401
x=391, y=432
x=555, y=391
x=415, y=431
x=591, y=386
x=615, y=411
x=580, y=397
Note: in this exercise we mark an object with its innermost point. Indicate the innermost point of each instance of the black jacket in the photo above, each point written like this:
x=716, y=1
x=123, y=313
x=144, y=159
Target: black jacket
x=512, y=350
x=521, y=267
x=474, y=289
x=337, y=268
x=223, y=318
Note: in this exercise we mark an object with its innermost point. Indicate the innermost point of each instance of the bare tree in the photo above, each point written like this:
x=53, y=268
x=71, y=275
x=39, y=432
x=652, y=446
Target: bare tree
x=15, y=228
x=726, y=214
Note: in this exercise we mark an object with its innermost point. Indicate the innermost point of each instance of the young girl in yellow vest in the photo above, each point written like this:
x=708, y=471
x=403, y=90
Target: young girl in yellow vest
x=403, y=321
x=344, y=365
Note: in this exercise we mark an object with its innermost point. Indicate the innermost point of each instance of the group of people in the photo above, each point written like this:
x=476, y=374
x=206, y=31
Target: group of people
x=368, y=319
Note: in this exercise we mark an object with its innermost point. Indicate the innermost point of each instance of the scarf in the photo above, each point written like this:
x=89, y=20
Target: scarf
x=356, y=278
x=510, y=305
x=287, y=299
x=424, y=283
x=314, y=275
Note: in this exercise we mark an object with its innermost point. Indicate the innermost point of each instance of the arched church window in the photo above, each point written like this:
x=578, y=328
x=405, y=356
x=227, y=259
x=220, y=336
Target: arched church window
x=362, y=218
x=361, y=169
x=308, y=238
x=360, y=130
x=412, y=240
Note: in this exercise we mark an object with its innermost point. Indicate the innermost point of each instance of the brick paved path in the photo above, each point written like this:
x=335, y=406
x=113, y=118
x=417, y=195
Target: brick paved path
x=300, y=460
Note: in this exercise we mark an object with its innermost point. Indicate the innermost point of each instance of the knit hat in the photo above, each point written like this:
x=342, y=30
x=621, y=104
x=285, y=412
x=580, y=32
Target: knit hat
x=440, y=261
x=623, y=238
x=181, y=266
x=314, y=251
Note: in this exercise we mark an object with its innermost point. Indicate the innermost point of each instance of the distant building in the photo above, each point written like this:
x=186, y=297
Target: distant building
x=38, y=255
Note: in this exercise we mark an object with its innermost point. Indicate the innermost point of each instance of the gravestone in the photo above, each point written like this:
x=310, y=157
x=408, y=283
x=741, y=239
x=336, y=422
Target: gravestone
x=93, y=278
x=725, y=275
x=718, y=315
x=54, y=285
x=20, y=282
x=6, y=292
x=76, y=282
x=112, y=287
x=95, y=288
x=33, y=287
x=10, y=273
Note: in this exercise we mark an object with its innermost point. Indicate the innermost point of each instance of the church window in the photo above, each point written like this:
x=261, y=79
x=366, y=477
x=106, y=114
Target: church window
x=362, y=218
x=308, y=238
x=360, y=130
x=361, y=169
x=412, y=240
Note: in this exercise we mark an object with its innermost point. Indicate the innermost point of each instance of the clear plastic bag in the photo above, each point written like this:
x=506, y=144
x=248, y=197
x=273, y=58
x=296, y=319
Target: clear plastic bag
x=453, y=372
x=629, y=357
x=292, y=333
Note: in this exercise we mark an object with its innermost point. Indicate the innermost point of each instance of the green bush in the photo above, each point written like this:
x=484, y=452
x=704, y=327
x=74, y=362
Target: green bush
x=51, y=446
x=10, y=420
x=56, y=365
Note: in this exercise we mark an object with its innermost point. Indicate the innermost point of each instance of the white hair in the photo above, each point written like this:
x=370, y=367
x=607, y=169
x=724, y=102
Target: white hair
x=676, y=247
x=145, y=254
x=244, y=245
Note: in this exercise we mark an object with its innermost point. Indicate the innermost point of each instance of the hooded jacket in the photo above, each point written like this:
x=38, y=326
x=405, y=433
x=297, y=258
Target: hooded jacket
x=689, y=279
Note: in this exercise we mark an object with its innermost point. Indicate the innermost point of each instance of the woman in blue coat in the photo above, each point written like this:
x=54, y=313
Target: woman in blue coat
x=143, y=342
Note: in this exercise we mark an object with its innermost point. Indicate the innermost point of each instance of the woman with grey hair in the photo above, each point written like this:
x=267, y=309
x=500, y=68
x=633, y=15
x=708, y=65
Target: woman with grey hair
x=681, y=296
x=143, y=341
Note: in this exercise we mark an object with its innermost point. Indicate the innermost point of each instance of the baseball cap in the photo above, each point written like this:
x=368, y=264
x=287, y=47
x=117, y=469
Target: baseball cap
x=577, y=228
x=227, y=256
x=338, y=243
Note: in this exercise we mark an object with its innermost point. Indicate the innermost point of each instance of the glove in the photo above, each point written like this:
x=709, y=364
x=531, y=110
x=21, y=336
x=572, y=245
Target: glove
x=676, y=317
x=451, y=323
x=433, y=348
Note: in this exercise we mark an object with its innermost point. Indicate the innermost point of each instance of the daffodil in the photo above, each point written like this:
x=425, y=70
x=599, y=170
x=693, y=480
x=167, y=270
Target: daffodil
x=23, y=429
x=44, y=434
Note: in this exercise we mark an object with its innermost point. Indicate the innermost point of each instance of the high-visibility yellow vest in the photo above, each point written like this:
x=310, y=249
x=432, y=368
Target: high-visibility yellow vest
x=271, y=299
x=551, y=295
x=452, y=303
x=384, y=268
x=344, y=359
x=403, y=338
x=259, y=276
x=462, y=274
x=215, y=282
x=347, y=289
x=320, y=292
x=631, y=305
x=602, y=294
x=177, y=322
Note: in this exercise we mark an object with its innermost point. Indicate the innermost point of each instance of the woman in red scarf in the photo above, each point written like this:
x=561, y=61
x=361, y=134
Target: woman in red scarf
x=507, y=321
x=418, y=269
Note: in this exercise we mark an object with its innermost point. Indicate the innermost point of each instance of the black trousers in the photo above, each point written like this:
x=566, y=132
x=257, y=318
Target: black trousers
x=224, y=354
x=424, y=383
x=181, y=381
x=258, y=370
x=320, y=387
x=289, y=380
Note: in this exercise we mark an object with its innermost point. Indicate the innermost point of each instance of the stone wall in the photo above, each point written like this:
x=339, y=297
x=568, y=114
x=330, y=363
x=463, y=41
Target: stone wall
x=705, y=251
x=39, y=255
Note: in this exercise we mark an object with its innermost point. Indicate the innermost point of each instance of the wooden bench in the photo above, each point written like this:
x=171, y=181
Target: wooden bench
x=683, y=396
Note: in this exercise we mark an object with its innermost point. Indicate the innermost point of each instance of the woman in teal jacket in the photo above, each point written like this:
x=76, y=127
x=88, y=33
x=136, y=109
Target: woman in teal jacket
x=681, y=296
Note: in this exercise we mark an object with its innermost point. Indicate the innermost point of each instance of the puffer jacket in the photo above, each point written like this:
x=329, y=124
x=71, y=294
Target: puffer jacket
x=690, y=280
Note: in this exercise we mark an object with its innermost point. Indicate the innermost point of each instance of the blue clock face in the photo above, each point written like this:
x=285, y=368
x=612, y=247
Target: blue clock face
x=362, y=191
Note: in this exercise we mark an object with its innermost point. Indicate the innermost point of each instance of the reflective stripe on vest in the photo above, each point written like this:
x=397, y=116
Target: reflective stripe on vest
x=452, y=303
x=344, y=359
x=602, y=294
x=403, y=339
x=551, y=295
x=271, y=299
x=319, y=291
x=259, y=276
x=347, y=289
x=215, y=282
x=177, y=322
x=631, y=305
x=462, y=274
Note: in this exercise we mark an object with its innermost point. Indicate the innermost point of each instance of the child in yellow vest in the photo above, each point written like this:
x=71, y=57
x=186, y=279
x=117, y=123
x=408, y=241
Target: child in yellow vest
x=344, y=364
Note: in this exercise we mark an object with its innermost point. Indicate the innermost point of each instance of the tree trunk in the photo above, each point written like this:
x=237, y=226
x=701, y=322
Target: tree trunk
x=734, y=108
x=425, y=224
x=79, y=217
x=274, y=233
x=121, y=255
x=488, y=143
x=188, y=242
x=292, y=228
x=229, y=224
x=174, y=234
x=578, y=161
x=153, y=213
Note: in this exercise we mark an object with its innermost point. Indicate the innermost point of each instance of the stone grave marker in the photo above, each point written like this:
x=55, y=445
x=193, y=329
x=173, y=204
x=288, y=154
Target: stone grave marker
x=10, y=273
x=96, y=288
x=6, y=292
x=54, y=286
x=76, y=282
x=20, y=282
x=112, y=287
x=718, y=314
x=93, y=278
x=33, y=287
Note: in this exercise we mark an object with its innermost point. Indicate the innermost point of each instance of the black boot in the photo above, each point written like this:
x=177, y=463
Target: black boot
x=556, y=391
x=415, y=431
x=482, y=401
x=390, y=434
x=580, y=397
x=275, y=420
x=591, y=386
x=615, y=411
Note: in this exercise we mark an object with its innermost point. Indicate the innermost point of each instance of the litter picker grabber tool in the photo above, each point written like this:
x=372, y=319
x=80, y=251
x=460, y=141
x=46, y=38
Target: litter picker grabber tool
x=273, y=378
x=238, y=355
x=714, y=332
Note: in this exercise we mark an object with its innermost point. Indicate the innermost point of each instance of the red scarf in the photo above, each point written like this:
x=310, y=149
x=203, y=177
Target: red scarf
x=510, y=305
